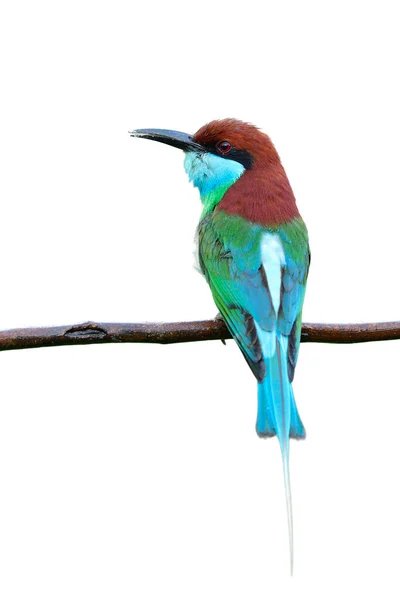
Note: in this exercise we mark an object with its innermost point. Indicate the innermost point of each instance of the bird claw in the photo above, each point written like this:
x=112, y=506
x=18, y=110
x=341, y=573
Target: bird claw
x=219, y=317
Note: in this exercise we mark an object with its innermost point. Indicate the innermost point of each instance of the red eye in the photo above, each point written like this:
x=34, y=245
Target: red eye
x=224, y=147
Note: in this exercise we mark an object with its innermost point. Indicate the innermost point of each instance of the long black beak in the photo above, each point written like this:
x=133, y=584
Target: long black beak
x=177, y=139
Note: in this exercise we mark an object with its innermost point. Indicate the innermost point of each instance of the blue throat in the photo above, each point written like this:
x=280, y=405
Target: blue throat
x=212, y=175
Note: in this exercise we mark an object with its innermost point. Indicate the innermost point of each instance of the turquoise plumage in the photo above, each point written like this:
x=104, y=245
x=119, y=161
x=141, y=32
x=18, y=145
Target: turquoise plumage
x=266, y=329
x=254, y=253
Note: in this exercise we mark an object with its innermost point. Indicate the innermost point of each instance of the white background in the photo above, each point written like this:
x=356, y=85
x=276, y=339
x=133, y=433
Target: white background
x=134, y=471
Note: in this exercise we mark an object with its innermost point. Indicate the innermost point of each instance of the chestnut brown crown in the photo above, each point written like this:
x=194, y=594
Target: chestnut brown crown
x=241, y=135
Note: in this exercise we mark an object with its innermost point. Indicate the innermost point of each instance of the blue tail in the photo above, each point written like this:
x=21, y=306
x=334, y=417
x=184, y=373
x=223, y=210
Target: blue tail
x=277, y=414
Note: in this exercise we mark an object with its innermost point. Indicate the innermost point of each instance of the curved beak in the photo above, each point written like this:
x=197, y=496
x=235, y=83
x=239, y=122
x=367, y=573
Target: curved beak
x=178, y=139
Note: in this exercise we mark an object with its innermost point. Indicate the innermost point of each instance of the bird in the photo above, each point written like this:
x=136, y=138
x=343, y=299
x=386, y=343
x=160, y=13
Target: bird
x=253, y=250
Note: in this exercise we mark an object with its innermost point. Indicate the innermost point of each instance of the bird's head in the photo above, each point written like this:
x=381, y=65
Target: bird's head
x=220, y=154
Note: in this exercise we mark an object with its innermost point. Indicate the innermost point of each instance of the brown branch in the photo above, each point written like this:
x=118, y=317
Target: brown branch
x=172, y=333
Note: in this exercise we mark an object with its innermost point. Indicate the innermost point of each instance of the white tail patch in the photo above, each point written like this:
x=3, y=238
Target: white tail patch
x=273, y=259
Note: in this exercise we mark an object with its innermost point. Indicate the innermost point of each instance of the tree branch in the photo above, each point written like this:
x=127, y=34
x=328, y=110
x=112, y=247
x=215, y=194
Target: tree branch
x=172, y=333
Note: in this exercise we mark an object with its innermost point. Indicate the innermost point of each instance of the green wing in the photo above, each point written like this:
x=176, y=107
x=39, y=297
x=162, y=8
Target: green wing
x=230, y=258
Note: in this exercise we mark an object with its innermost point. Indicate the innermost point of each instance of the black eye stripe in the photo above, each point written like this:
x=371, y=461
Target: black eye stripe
x=241, y=156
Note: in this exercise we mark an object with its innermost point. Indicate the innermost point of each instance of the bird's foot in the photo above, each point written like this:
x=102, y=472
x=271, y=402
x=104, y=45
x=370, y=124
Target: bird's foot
x=219, y=317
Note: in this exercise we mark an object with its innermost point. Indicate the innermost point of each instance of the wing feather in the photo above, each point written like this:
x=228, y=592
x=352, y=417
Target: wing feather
x=232, y=265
